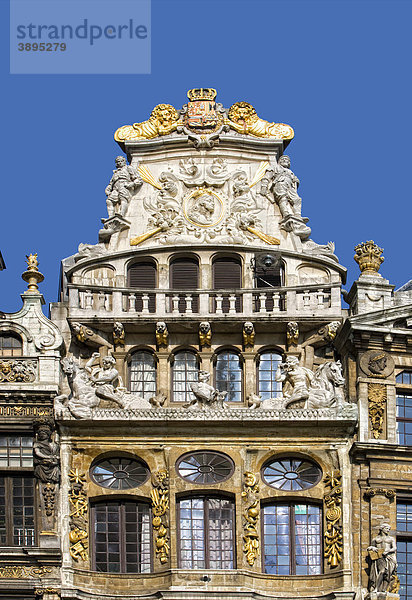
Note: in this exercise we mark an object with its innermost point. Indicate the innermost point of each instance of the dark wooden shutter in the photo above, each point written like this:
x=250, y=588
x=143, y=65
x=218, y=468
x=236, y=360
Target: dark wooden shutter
x=184, y=275
x=142, y=276
x=227, y=275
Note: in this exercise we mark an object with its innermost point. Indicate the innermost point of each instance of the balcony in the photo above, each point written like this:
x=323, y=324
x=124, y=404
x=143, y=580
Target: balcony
x=88, y=301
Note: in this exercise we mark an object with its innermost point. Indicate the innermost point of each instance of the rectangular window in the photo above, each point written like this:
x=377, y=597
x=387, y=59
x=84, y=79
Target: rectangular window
x=292, y=539
x=404, y=547
x=404, y=418
x=206, y=533
x=17, y=525
x=16, y=451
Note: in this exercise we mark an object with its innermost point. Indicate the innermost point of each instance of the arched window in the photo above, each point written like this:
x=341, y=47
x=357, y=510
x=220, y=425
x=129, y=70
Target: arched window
x=185, y=370
x=121, y=537
x=268, y=363
x=292, y=539
x=227, y=275
x=184, y=275
x=228, y=375
x=206, y=533
x=143, y=276
x=142, y=374
x=10, y=344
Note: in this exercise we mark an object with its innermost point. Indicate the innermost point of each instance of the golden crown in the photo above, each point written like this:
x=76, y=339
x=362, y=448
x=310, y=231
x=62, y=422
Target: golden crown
x=202, y=94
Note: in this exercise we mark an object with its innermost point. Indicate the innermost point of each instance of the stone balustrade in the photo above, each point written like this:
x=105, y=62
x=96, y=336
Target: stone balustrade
x=309, y=300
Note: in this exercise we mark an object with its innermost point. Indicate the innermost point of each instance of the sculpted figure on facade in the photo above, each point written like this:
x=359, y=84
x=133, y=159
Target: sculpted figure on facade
x=205, y=394
x=163, y=120
x=382, y=555
x=46, y=453
x=248, y=334
x=162, y=334
x=292, y=375
x=124, y=181
x=283, y=184
x=244, y=119
x=292, y=333
x=118, y=334
x=205, y=333
x=88, y=337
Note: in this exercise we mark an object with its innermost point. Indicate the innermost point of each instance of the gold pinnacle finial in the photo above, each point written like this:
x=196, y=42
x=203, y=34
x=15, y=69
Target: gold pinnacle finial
x=32, y=276
x=369, y=257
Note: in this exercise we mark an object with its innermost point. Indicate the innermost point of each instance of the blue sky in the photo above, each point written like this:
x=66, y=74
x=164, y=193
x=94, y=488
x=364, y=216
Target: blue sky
x=337, y=71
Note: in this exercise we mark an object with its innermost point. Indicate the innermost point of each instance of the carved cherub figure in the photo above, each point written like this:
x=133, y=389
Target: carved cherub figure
x=248, y=334
x=162, y=334
x=205, y=334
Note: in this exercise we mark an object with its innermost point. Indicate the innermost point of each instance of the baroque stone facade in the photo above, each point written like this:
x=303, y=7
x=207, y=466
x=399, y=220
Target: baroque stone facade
x=200, y=417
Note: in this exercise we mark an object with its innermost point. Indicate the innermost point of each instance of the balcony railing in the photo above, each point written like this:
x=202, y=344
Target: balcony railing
x=162, y=303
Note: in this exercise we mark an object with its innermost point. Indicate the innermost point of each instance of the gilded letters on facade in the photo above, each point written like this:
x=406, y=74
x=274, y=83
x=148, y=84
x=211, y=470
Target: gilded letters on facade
x=377, y=401
x=160, y=506
x=333, y=514
x=250, y=496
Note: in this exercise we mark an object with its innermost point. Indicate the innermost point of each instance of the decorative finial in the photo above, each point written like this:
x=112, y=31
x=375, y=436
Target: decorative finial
x=32, y=276
x=369, y=258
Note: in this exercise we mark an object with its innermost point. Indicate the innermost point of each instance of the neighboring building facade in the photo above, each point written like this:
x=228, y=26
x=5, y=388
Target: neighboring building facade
x=222, y=427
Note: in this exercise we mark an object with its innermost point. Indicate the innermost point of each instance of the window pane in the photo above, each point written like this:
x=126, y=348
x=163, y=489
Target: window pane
x=229, y=376
x=292, y=539
x=206, y=523
x=10, y=345
x=404, y=418
x=23, y=511
x=122, y=533
x=404, y=548
x=268, y=365
x=16, y=451
x=143, y=374
x=185, y=371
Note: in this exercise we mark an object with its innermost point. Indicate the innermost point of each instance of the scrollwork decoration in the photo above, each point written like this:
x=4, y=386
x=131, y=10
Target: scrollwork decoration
x=160, y=506
x=250, y=496
x=333, y=514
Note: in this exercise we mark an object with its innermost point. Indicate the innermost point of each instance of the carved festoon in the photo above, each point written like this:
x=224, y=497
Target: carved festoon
x=18, y=370
x=205, y=334
x=377, y=397
x=250, y=497
x=160, y=508
x=292, y=333
x=118, y=335
x=162, y=334
x=248, y=334
x=333, y=513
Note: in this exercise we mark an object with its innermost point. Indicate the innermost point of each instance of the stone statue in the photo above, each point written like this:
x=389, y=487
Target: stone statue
x=297, y=377
x=382, y=554
x=118, y=334
x=205, y=334
x=205, y=394
x=283, y=183
x=244, y=119
x=292, y=333
x=124, y=181
x=46, y=453
x=162, y=334
x=248, y=334
x=90, y=385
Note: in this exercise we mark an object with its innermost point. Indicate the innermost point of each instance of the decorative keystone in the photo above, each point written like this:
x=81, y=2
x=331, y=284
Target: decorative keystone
x=369, y=257
x=32, y=276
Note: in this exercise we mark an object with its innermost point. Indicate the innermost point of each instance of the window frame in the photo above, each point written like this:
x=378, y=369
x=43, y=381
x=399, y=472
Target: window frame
x=258, y=363
x=206, y=549
x=403, y=389
x=172, y=366
x=242, y=374
x=9, y=476
x=15, y=351
x=281, y=501
x=129, y=369
x=403, y=536
x=121, y=500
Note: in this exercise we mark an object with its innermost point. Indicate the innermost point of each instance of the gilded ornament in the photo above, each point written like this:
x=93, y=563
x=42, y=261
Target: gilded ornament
x=162, y=334
x=32, y=276
x=79, y=505
x=248, y=334
x=369, y=257
x=333, y=514
x=160, y=506
x=19, y=572
x=244, y=119
x=292, y=333
x=203, y=207
x=205, y=334
x=18, y=371
x=377, y=400
x=163, y=120
x=250, y=496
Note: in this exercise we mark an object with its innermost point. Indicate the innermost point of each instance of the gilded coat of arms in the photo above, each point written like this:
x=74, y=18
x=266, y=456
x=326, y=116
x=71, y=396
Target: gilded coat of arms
x=201, y=115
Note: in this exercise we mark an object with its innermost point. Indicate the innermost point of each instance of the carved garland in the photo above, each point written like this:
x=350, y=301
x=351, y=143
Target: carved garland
x=78, y=516
x=377, y=401
x=160, y=505
x=333, y=513
x=14, y=371
x=250, y=496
